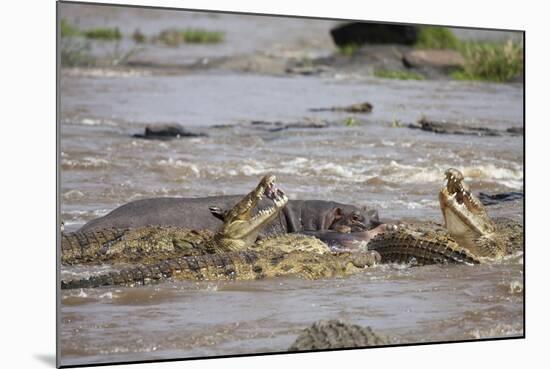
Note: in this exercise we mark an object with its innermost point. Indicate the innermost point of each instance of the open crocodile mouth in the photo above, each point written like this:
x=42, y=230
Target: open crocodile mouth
x=462, y=211
x=244, y=221
x=269, y=190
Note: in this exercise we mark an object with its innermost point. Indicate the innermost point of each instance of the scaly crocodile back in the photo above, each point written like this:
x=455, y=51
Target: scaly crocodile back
x=292, y=242
x=332, y=334
x=84, y=246
x=131, y=245
x=240, y=265
x=404, y=245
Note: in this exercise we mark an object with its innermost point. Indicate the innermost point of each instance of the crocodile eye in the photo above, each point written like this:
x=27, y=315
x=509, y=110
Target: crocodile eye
x=355, y=216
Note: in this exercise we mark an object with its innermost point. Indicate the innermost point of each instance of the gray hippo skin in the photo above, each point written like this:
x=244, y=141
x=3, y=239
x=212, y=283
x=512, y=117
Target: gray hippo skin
x=196, y=213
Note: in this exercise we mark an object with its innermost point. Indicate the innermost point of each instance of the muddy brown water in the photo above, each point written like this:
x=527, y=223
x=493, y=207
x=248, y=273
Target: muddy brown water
x=374, y=162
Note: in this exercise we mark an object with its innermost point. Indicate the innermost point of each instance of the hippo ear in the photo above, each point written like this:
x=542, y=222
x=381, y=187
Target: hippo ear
x=331, y=218
x=217, y=212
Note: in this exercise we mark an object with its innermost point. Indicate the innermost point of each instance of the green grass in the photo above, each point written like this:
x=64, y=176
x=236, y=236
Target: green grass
x=430, y=37
x=350, y=122
x=198, y=36
x=103, y=33
x=496, y=62
x=484, y=61
x=100, y=33
x=398, y=74
x=191, y=36
x=348, y=49
x=69, y=30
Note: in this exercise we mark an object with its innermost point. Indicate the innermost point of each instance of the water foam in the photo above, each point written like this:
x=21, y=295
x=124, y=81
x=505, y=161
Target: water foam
x=85, y=163
x=181, y=164
x=73, y=194
x=403, y=173
x=98, y=122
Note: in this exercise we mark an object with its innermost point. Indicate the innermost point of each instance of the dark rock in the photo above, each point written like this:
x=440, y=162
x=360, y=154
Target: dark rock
x=167, y=132
x=265, y=123
x=355, y=108
x=307, y=70
x=446, y=59
x=360, y=33
x=454, y=128
x=461, y=129
x=280, y=126
x=487, y=199
x=333, y=334
x=515, y=131
x=222, y=126
x=313, y=123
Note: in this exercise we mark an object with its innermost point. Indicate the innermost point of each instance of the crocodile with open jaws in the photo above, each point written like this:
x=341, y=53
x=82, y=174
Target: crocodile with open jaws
x=470, y=235
x=239, y=230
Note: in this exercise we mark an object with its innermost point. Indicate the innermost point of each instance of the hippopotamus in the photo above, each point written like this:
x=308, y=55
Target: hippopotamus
x=343, y=238
x=196, y=213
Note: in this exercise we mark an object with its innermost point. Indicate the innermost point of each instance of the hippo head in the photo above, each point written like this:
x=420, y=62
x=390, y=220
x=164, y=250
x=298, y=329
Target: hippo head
x=318, y=215
x=357, y=219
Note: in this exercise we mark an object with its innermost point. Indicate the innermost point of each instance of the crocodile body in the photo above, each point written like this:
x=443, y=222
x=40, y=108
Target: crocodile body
x=239, y=230
x=332, y=334
x=405, y=245
x=470, y=235
x=131, y=245
x=468, y=223
x=280, y=256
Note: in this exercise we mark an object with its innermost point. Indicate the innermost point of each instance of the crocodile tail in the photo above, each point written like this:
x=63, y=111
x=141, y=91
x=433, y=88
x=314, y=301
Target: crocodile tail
x=203, y=267
x=403, y=247
x=82, y=246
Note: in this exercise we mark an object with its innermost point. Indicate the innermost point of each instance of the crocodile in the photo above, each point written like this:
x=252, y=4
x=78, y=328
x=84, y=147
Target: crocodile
x=333, y=334
x=288, y=255
x=131, y=245
x=239, y=230
x=469, y=234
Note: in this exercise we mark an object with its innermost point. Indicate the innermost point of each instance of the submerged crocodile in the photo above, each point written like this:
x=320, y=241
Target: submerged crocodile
x=470, y=235
x=333, y=334
x=238, y=231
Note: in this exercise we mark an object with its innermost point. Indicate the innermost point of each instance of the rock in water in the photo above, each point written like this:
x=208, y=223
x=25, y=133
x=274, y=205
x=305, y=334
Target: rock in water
x=515, y=131
x=454, y=128
x=487, y=199
x=365, y=107
x=167, y=132
x=360, y=33
x=330, y=334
